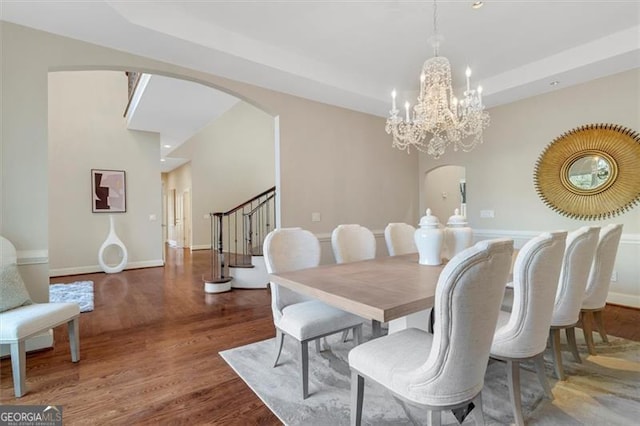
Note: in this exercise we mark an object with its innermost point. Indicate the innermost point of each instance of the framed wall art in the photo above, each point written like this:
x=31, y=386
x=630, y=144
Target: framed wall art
x=108, y=191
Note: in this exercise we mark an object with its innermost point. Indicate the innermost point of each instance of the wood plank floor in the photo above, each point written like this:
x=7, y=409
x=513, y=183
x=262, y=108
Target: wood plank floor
x=149, y=350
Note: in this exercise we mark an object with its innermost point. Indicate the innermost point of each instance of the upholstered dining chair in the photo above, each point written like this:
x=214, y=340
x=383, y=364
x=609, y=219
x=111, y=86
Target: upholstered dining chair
x=522, y=334
x=598, y=284
x=295, y=315
x=21, y=319
x=399, y=239
x=444, y=370
x=576, y=264
x=352, y=242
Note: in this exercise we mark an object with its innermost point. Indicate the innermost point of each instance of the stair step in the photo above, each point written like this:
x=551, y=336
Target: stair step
x=241, y=265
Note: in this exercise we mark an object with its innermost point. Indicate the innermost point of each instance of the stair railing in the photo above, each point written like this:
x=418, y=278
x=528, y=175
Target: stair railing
x=238, y=234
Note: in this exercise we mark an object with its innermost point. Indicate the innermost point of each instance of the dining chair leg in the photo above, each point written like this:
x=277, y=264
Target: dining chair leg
x=318, y=345
x=279, y=342
x=434, y=417
x=513, y=373
x=19, y=368
x=357, y=396
x=357, y=334
x=477, y=413
x=542, y=377
x=304, y=366
x=597, y=315
x=345, y=335
x=586, y=319
x=73, y=328
x=376, y=328
x=573, y=346
x=554, y=336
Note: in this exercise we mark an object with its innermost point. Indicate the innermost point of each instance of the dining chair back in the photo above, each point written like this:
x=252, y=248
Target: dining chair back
x=443, y=371
x=353, y=242
x=399, y=238
x=302, y=318
x=598, y=283
x=576, y=264
x=522, y=334
x=289, y=249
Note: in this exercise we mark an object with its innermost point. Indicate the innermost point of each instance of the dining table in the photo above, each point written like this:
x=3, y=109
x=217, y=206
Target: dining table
x=393, y=289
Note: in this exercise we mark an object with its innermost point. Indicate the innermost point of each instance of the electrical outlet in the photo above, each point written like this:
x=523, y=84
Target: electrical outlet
x=315, y=217
x=614, y=276
x=486, y=213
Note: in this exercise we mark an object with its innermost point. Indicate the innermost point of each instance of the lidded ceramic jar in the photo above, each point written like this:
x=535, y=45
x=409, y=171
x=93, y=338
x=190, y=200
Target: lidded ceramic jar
x=429, y=239
x=458, y=235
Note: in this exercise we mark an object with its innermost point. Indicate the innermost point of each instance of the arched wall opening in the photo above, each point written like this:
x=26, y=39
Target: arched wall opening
x=141, y=224
x=442, y=191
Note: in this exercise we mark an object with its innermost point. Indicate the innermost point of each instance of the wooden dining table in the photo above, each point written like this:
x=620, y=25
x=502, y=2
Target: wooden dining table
x=393, y=289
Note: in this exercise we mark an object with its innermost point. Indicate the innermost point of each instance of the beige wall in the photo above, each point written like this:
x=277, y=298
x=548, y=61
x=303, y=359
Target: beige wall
x=87, y=131
x=330, y=160
x=499, y=173
x=232, y=160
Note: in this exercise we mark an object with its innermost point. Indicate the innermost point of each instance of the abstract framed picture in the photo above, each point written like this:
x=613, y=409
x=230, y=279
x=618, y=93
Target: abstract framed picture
x=108, y=191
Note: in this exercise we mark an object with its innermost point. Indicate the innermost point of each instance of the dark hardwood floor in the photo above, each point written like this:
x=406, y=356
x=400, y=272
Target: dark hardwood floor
x=149, y=350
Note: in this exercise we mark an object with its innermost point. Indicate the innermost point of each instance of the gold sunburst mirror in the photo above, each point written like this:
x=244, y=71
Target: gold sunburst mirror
x=591, y=172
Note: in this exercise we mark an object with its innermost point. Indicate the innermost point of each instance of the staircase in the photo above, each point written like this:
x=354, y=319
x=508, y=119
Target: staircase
x=236, y=244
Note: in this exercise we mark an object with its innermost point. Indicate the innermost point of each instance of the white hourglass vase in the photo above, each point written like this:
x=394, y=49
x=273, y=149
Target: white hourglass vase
x=429, y=239
x=112, y=240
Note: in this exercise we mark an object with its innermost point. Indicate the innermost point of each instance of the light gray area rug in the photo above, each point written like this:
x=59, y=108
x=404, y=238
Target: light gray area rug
x=603, y=390
x=80, y=292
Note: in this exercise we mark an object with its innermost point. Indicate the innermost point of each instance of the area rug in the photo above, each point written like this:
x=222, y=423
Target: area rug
x=80, y=292
x=604, y=389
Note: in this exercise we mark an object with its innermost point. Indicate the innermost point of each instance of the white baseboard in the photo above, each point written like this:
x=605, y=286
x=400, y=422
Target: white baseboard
x=96, y=268
x=631, y=300
x=200, y=247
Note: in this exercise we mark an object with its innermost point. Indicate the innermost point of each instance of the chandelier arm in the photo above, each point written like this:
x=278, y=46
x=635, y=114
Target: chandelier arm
x=438, y=115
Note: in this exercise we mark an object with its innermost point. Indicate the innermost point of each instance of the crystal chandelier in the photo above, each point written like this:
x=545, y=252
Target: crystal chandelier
x=439, y=119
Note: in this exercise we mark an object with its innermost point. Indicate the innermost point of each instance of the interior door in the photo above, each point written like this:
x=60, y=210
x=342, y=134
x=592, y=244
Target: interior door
x=186, y=218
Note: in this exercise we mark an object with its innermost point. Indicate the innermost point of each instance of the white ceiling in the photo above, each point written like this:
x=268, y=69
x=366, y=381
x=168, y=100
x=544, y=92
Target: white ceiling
x=177, y=109
x=352, y=53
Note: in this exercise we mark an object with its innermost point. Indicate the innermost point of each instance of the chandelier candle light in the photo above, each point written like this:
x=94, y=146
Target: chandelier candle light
x=438, y=114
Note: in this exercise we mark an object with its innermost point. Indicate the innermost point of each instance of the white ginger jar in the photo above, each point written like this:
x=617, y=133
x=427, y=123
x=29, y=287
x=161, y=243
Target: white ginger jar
x=429, y=239
x=458, y=235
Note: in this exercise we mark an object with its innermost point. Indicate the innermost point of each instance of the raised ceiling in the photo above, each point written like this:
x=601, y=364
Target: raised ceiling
x=352, y=53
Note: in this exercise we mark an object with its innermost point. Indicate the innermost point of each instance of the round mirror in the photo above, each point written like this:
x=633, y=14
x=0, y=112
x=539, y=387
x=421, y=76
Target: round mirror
x=591, y=172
